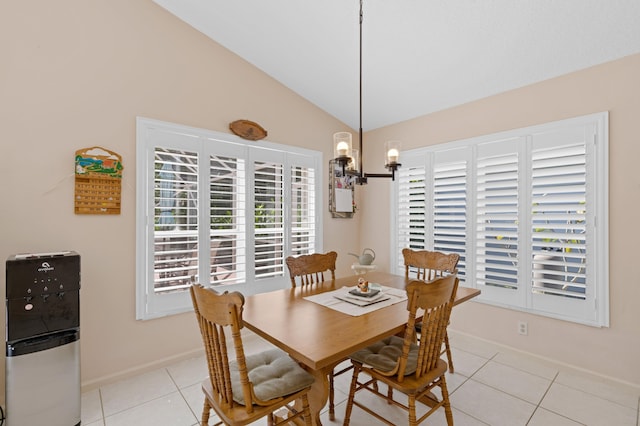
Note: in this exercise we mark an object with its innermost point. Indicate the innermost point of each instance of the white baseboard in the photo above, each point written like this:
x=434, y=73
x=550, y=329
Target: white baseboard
x=249, y=340
x=563, y=365
x=140, y=369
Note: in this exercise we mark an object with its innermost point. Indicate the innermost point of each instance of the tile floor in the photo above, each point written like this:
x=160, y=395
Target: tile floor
x=491, y=386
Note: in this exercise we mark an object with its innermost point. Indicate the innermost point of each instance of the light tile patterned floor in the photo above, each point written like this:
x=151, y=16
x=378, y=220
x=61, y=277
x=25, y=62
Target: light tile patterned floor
x=491, y=386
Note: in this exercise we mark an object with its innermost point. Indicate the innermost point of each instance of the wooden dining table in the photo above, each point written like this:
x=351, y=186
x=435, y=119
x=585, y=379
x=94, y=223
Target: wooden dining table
x=319, y=337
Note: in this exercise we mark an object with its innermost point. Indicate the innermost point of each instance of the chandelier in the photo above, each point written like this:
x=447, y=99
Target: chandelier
x=351, y=159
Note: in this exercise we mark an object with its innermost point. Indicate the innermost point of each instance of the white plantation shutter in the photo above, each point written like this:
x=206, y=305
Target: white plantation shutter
x=558, y=220
x=303, y=210
x=563, y=215
x=530, y=225
x=228, y=203
x=450, y=205
x=411, y=205
x=497, y=218
x=175, y=247
x=215, y=209
x=269, y=219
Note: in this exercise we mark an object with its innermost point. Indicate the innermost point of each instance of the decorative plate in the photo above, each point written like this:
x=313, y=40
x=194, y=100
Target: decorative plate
x=248, y=130
x=369, y=293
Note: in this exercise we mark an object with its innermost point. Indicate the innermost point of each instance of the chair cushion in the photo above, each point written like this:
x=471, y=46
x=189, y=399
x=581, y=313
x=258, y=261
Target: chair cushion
x=273, y=374
x=383, y=355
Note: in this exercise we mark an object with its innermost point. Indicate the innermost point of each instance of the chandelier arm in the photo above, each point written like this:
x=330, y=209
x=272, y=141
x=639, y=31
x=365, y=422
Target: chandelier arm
x=378, y=175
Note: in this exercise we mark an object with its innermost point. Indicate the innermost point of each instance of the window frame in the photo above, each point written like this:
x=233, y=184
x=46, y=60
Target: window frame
x=206, y=143
x=594, y=309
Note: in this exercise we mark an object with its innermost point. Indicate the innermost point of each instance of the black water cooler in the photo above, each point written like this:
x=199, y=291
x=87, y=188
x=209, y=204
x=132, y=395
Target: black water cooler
x=43, y=339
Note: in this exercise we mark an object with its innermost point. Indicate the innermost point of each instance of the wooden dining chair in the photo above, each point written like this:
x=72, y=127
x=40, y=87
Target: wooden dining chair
x=310, y=268
x=246, y=388
x=404, y=365
x=428, y=265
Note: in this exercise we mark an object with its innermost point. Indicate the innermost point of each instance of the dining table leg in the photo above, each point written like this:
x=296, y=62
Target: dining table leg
x=319, y=394
x=318, y=397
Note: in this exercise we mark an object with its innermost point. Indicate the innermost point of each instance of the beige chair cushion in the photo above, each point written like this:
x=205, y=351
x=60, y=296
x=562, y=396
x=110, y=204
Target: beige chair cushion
x=383, y=355
x=273, y=374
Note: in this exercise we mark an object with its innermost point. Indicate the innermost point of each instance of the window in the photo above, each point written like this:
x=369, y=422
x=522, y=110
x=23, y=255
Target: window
x=526, y=210
x=215, y=209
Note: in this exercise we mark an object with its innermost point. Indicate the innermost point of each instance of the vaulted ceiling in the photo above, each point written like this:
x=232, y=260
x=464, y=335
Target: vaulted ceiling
x=419, y=56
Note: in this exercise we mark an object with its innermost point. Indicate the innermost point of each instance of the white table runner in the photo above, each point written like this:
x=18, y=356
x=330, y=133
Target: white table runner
x=337, y=300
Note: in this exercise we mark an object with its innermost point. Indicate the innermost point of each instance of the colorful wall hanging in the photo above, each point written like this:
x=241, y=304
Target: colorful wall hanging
x=98, y=181
x=341, y=189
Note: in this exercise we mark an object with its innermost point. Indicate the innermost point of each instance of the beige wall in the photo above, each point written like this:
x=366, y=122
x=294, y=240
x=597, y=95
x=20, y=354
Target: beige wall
x=75, y=74
x=612, y=87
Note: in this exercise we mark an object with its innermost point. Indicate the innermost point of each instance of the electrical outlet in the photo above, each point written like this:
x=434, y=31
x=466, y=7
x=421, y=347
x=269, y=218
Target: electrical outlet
x=523, y=328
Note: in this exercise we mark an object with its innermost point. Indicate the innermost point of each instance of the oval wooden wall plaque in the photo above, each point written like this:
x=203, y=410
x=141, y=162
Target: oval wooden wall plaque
x=248, y=130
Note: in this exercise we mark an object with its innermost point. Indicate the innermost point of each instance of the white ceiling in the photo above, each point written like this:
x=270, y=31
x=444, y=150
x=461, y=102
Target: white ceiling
x=419, y=56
